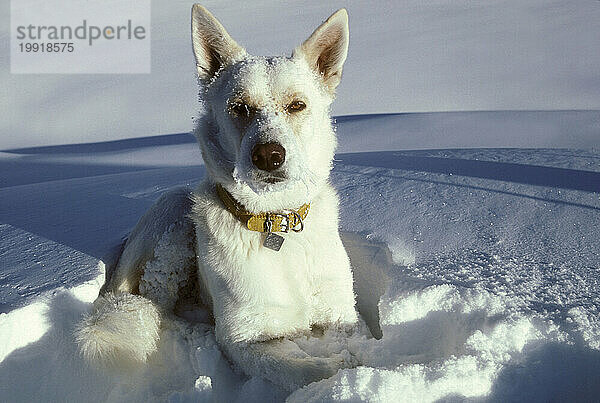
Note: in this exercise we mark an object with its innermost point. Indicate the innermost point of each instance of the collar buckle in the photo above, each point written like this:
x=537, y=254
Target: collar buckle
x=268, y=223
x=284, y=223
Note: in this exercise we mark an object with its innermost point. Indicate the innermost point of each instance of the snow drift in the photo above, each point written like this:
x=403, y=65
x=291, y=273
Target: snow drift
x=477, y=270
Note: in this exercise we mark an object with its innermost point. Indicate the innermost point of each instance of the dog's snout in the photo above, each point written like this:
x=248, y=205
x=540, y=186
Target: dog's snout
x=268, y=156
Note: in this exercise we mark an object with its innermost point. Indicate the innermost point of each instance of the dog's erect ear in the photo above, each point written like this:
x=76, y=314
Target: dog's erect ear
x=213, y=47
x=327, y=48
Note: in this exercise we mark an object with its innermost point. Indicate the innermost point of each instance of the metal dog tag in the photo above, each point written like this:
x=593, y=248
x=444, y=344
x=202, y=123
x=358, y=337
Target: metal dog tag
x=273, y=241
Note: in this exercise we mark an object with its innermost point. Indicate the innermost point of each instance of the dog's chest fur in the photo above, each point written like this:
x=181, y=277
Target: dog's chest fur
x=259, y=294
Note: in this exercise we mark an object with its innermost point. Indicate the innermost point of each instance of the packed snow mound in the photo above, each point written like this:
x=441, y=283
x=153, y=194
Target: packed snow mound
x=440, y=341
x=476, y=270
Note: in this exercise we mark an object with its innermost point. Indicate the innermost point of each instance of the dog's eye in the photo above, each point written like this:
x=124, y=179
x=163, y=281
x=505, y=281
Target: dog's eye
x=295, y=106
x=241, y=109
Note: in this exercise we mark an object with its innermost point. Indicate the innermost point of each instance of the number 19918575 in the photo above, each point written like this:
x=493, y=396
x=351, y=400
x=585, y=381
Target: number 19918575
x=46, y=47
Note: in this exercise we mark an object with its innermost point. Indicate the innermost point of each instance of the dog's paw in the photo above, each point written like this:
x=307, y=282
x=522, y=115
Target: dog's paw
x=122, y=330
x=314, y=369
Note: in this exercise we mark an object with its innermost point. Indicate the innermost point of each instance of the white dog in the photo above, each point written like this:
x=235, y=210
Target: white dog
x=260, y=234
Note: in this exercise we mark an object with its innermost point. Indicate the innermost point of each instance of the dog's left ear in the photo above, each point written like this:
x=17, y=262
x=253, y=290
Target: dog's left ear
x=326, y=49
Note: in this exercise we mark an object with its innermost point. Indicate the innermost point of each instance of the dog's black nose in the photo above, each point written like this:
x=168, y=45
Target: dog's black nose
x=268, y=156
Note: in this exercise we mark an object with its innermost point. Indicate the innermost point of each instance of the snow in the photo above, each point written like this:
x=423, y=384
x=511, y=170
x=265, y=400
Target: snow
x=478, y=267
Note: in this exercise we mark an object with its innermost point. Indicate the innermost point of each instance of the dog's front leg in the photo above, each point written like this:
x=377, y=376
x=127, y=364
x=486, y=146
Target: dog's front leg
x=284, y=363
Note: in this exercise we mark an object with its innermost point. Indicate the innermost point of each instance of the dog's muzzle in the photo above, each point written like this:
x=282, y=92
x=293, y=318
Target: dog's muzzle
x=268, y=156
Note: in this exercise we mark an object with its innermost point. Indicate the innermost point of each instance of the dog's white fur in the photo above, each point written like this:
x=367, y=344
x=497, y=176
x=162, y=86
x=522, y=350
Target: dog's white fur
x=259, y=298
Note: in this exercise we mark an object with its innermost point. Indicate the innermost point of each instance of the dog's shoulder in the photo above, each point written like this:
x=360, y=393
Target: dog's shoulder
x=172, y=208
x=169, y=214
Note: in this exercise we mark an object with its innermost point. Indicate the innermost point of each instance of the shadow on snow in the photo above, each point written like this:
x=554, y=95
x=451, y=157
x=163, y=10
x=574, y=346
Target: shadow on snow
x=588, y=181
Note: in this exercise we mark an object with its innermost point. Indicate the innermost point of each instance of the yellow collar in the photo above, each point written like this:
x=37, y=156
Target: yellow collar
x=264, y=222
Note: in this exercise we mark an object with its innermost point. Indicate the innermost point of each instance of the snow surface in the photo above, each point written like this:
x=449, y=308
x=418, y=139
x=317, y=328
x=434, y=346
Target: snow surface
x=479, y=267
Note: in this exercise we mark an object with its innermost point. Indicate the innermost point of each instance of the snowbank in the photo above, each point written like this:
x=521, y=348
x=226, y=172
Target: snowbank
x=476, y=269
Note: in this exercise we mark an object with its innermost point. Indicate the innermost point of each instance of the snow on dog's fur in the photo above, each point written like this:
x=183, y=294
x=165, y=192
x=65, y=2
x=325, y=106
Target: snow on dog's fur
x=260, y=298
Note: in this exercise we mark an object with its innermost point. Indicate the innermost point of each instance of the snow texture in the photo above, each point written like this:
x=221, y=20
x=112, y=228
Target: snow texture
x=477, y=270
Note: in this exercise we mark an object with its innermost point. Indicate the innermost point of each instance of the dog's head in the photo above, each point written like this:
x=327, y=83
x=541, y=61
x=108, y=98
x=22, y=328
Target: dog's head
x=265, y=130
